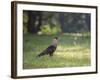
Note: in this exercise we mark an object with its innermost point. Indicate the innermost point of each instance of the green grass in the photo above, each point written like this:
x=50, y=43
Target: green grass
x=73, y=50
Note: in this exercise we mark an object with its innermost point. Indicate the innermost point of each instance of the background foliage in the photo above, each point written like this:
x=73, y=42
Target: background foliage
x=55, y=22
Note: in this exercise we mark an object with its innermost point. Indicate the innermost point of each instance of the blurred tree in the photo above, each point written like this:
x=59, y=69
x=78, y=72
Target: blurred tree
x=75, y=22
x=62, y=22
x=34, y=21
x=88, y=21
x=55, y=22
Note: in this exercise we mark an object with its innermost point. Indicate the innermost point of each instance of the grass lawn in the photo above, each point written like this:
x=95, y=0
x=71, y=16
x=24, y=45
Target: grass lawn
x=73, y=50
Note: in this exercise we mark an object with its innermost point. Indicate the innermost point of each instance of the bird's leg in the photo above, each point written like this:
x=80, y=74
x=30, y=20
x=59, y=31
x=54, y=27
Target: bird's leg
x=51, y=54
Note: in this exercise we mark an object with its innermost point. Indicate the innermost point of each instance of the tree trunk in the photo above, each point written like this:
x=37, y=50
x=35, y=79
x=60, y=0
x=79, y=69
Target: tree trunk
x=34, y=21
x=62, y=22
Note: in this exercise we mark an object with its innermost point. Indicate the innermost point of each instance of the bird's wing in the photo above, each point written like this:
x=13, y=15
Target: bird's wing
x=48, y=50
x=51, y=49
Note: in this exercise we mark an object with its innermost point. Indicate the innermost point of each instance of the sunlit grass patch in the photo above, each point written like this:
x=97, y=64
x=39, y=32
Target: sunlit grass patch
x=70, y=52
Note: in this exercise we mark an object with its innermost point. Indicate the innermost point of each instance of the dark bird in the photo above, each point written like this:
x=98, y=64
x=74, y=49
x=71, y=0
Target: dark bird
x=51, y=49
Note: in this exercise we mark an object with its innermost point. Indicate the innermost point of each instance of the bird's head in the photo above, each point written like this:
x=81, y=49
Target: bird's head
x=55, y=41
x=56, y=38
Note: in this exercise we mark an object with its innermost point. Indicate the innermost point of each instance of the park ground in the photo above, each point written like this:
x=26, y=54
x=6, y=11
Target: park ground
x=73, y=50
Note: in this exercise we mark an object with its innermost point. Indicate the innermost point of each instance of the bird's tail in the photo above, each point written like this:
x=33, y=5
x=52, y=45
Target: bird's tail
x=41, y=54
